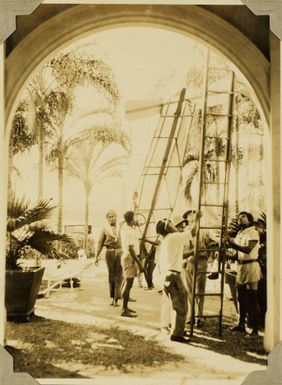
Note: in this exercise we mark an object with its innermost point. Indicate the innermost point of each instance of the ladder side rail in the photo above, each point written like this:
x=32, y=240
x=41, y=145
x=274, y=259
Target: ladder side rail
x=173, y=147
x=147, y=158
x=180, y=160
x=177, y=131
x=226, y=196
x=201, y=172
x=174, y=141
x=164, y=162
x=168, y=193
x=156, y=138
x=188, y=136
x=153, y=146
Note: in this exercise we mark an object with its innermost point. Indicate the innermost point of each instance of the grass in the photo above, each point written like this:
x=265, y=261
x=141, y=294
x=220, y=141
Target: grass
x=47, y=348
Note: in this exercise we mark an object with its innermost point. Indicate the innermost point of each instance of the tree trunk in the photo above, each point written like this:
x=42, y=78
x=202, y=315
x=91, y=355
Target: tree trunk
x=237, y=168
x=86, y=217
x=10, y=171
x=261, y=173
x=60, y=191
x=41, y=161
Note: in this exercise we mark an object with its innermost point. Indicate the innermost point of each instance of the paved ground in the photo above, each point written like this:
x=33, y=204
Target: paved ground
x=90, y=304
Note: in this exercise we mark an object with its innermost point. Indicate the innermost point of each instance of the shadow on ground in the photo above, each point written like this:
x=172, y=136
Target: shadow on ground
x=25, y=362
x=55, y=349
x=234, y=344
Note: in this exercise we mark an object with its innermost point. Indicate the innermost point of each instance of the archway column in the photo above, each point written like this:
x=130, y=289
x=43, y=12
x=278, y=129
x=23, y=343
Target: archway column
x=3, y=194
x=273, y=198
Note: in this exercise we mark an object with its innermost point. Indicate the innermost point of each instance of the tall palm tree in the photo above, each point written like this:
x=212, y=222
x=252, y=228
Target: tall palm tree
x=58, y=142
x=101, y=153
x=39, y=93
x=71, y=70
x=21, y=138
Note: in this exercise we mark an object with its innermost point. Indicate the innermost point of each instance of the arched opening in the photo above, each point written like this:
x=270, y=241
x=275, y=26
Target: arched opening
x=259, y=84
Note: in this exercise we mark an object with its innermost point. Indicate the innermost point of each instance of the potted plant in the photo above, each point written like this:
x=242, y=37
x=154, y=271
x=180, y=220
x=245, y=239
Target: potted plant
x=27, y=238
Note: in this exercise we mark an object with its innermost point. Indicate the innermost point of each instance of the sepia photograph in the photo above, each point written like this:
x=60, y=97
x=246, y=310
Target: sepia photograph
x=140, y=169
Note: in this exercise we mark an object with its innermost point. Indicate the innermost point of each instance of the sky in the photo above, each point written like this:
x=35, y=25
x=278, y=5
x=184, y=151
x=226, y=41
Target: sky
x=143, y=57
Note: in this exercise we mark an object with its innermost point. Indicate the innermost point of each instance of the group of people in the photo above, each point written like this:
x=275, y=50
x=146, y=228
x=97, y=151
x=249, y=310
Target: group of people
x=176, y=252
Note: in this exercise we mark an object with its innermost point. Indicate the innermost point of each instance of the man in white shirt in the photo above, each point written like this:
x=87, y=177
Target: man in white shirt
x=249, y=273
x=171, y=259
x=130, y=259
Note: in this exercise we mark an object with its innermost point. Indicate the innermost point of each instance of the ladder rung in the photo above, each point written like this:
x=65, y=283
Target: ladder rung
x=161, y=166
x=220, y=92
x=174, y=116
x=216, y=137
x=220, y=115
x=150, y=174
x=160, y=209
x=212, y=205
x=209, y=295
x=218, y=160
x=210, y=227
x=161, y=137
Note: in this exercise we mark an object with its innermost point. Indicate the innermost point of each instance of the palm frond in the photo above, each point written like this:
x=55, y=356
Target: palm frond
x=20, y=215
x=110, y=174
x=233, y=227
x=188, y=184
x=110, y=164
x=190, y=158
x=42, y=240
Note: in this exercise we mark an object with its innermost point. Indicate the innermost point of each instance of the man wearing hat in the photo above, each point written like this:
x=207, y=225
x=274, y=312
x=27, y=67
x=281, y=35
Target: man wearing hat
x=171, y=259
x=166, y=309
x=205, y=242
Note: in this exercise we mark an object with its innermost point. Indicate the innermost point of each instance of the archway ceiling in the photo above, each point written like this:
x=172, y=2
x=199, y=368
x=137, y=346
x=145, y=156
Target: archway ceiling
x=78, y=21
x=12, y=8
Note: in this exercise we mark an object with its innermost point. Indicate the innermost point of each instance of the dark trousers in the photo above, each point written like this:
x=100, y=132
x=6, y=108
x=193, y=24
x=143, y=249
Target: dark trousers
x=127, y=285
x=113, y=261
x=149, y=269
x=248, y=304
x=175, y=290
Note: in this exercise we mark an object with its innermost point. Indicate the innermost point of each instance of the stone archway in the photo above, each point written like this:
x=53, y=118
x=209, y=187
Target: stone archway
x=81, y=20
